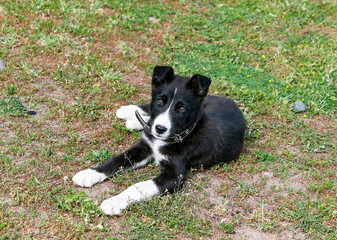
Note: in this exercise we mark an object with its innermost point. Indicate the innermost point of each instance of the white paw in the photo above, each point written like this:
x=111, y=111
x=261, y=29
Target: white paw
x=136, y=193
x=127, y=113
x=135, y=124
x=114, y=205
x=88, y=177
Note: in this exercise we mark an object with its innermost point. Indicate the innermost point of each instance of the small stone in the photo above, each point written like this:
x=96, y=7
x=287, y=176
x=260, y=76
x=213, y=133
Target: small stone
x=299, y=107
x=268, y=174
x=202, y=177
x=2, y=65
x=30, y=112
x=154, y=20
x=100, y=226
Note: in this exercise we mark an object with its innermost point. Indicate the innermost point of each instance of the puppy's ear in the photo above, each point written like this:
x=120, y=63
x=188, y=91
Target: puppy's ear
x=162, y=74
x=199, y=85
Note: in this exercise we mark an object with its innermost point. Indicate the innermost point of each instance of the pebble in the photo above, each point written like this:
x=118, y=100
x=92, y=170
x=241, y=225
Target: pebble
x=299, y=107
x=268, y=174
x=30, y=112
x=2, y=65
x=154, y=20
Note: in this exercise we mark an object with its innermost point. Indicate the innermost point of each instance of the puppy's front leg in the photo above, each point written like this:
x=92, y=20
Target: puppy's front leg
x=171, y=179
x=136, y=193
x=135, y=157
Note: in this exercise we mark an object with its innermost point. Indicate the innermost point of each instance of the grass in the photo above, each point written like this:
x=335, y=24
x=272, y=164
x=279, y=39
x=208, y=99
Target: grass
x=75, y=62
x=11, y=107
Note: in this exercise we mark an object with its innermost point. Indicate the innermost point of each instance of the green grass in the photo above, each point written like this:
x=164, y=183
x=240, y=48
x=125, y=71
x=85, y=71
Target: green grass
x=75, y=62
x=11, y=106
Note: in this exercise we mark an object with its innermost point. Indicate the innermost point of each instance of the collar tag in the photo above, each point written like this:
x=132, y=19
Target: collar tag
x=178, y=138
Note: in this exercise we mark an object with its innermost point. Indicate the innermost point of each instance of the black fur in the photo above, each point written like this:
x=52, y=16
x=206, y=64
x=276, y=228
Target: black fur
x=217, y=137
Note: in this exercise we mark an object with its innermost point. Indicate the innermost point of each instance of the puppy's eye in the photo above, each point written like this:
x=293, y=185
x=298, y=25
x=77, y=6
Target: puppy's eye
x=160, y=101
x=182, y=109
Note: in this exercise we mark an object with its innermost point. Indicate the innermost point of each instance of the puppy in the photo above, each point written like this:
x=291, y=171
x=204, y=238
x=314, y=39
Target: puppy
x=182, y=128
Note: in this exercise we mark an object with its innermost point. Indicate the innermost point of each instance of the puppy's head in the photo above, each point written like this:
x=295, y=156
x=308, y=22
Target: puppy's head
x=176, y=101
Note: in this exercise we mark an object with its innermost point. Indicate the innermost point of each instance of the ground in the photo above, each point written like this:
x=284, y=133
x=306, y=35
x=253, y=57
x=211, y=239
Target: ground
x=75, y=63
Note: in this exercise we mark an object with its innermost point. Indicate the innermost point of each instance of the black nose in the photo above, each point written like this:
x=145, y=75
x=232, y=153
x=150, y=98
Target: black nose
x=160, y=129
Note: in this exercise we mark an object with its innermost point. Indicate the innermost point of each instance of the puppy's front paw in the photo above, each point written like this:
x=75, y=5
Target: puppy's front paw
x=133, y=123
x=114, y=205
x=88, y=177
x=128, y=114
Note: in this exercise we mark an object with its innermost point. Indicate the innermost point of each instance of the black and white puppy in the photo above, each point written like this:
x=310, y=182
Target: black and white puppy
x=182, y=128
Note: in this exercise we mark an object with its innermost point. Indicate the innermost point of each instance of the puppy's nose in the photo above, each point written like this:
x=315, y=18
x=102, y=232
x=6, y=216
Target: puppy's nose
x=160, y=129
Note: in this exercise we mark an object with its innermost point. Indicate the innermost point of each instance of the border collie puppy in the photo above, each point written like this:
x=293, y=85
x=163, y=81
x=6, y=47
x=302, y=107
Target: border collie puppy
x=182, y=128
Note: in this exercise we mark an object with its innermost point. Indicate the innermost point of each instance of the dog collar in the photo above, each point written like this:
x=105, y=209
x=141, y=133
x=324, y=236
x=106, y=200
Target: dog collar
x=177, y=138
x=143, y=123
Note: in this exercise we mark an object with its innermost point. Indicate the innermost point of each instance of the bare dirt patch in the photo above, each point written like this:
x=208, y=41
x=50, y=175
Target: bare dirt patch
x=253, y=234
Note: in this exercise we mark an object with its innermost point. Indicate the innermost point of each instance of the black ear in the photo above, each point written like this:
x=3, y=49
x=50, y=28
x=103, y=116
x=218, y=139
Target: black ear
x=162, y=74
x=199, y=85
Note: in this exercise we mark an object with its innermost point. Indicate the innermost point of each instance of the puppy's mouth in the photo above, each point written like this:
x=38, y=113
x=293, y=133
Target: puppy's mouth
x=159, y=137
x=176, y=138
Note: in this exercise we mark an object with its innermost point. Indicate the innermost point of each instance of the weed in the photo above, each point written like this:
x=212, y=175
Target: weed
x=309, y=217
x=227, y=228
x=12, y=107
x=10, y=89
x=78, y=204
x=168, y=213
x=98, y=155
x=265, y=156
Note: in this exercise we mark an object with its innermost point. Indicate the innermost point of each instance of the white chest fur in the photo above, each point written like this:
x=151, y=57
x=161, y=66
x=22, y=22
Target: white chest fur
x=156, y=145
